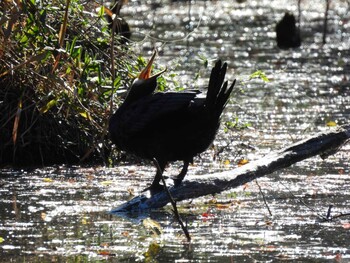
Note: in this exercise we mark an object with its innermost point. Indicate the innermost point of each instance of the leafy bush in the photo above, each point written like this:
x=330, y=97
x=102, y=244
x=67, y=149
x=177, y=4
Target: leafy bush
x=56, y=82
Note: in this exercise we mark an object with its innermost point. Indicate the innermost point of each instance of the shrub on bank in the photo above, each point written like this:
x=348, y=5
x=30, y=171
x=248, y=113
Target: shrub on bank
x=55, y=82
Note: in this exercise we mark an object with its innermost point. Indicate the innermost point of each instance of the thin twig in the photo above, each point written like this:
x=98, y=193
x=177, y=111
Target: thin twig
x=261, y=192
x=329, y=212
x=325, y=22
x=321, y=217
x=340, y=215
x=173, y=203
x=329, y=216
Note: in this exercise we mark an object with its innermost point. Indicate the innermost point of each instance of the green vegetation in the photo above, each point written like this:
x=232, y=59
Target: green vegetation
x=56, y=82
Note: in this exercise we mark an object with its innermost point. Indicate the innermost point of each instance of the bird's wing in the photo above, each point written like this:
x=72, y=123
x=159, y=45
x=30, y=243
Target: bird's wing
x=153, y=110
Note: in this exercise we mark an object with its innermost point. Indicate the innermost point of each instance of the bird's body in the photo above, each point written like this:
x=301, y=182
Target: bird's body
x=287, y=33
x=169, y=126
x=120, y=26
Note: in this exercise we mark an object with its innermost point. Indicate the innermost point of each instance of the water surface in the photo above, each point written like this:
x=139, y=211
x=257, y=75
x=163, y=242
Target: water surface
x=61, y=213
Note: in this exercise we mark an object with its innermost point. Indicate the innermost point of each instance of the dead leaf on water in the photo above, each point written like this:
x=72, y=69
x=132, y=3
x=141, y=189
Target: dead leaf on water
x=227, y=162
x=331, y=124
x=338, y=257
x=84, y=221
x=43, y=215
x=104, y=253
x=47, y=180
x=107, y=183
x=346, y=225
x=243, y=162
x=152, y=226
x=131, y=191
x=90, y=177
x=125, y=233
x=152, y=252
x=341, y=171
x=245, y=186
x=222, y=206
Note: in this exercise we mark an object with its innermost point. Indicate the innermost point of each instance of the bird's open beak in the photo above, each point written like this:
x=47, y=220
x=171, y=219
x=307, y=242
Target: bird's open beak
x=146, y=72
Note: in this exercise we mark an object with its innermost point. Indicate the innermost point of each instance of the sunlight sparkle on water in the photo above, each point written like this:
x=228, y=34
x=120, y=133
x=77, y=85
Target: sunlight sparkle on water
x=61, y=213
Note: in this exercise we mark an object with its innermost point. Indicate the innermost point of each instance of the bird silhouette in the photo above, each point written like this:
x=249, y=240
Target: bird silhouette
x=169, y=126
x=120, y=26
x=287, y=33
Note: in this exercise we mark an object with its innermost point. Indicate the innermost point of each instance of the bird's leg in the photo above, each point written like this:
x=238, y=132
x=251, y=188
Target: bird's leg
x=181, y=176
x=155, y=187
x=160, y=169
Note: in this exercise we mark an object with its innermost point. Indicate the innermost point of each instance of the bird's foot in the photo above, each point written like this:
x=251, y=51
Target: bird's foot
x=177, y=181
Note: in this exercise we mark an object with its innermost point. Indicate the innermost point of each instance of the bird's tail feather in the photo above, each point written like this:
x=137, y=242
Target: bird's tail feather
x=218, y=90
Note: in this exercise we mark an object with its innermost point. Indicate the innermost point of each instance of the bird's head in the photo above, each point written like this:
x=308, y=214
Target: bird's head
x=144, y=84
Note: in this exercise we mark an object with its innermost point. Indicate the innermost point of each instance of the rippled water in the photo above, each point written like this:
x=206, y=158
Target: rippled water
x=61, y=214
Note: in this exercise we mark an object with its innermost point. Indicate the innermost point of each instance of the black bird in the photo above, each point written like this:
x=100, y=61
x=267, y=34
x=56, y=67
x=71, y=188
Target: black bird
x=121, y=27
x=287, y=33
x=169, y=126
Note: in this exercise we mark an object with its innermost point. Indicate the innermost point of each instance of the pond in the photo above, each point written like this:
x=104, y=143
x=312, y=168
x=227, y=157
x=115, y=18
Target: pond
x=60, y=214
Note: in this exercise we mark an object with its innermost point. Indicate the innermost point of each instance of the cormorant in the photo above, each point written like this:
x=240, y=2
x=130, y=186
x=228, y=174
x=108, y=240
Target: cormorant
x=121, y=27
x=169, y=126
x=287, y=33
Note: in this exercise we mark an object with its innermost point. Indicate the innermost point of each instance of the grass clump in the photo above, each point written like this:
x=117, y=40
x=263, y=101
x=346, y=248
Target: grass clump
x=55, y=82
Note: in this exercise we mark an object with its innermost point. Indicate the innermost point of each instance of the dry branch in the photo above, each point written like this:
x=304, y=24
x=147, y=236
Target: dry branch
x=323, y=144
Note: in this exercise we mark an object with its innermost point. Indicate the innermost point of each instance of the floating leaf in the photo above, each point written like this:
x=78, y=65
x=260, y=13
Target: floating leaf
x=107, y=183
x=131, y=191
x=331, y=124
x=212, y=201
x=346, y=225
x=338, y=257
x=43, y=215
x=104, y=253
x=125, y=234
x=243, y=162
x=152, y=252
x=208, y=215
x=47, y=180
x=268, y=222
x=153, y=226
x=341, y=171
x=222, y=206
x=84, y=221
x=245, y=186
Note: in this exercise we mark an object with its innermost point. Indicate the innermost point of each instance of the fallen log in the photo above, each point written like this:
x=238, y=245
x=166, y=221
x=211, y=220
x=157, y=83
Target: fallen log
x=322, y=144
